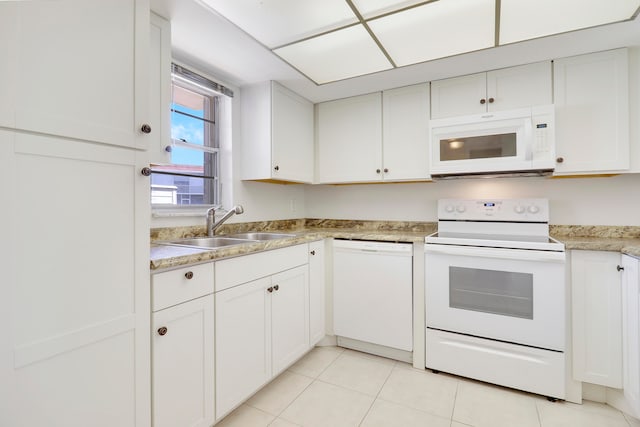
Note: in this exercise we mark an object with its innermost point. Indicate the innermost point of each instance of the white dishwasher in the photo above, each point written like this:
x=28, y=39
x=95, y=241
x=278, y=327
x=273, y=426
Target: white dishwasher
x=373, y=292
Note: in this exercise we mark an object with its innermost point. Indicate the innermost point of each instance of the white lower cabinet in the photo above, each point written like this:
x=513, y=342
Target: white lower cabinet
x=597, y=317
x=631, y=332
x=317, y=277
x=182, y=364
x=262, y=326
x=182, y=338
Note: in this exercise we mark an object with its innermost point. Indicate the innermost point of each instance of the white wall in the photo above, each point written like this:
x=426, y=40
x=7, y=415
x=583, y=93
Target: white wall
x=577, y=201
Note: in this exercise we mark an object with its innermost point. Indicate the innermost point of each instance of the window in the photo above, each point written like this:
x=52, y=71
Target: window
x=193, y=176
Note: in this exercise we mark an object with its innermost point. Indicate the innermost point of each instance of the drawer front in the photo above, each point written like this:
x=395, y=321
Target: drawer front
x=176, y=286
x=234, y=271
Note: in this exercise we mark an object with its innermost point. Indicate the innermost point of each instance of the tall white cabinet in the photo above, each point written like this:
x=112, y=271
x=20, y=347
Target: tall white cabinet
x=74, y=299
x=631, y=332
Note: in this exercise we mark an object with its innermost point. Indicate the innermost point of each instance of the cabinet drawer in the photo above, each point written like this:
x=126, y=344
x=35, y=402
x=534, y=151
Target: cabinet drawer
x=234, y=271
x=176, y=286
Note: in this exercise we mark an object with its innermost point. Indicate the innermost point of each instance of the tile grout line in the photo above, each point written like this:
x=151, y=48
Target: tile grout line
x=455, y=398
x=538, y=413
x=378, y=394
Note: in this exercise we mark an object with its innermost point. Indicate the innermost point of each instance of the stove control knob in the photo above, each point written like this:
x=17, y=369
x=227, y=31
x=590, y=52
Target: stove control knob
x=449, y=208
x=533, y=209
x=519, y=209
x=461, y=208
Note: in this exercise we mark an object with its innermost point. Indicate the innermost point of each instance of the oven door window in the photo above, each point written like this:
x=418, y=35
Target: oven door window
x=490, y=291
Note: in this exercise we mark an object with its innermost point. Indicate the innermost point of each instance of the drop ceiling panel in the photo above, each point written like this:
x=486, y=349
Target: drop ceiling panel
x=436, y=30
x=278, y=22
x=370, y=8
x=528, y=19
x=335, y=56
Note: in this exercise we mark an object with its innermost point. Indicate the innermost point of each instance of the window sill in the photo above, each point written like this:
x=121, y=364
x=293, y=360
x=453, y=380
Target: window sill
x=184, y=211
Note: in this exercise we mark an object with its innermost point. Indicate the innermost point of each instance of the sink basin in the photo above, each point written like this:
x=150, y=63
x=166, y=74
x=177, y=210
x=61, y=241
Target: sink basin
x=208, y=242
x=261, y=236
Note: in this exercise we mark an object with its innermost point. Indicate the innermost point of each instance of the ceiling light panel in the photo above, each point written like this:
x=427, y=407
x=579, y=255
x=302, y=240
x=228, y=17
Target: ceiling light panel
x=435, y=30
x=335, y=56
x=278, y=22
x=370, y=8
x=529, y=19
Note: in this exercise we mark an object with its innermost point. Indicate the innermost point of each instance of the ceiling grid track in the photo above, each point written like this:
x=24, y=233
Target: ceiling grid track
x=373, y=36
x=497, y=22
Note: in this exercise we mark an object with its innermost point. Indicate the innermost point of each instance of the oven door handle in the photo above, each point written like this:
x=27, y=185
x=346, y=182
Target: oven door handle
x=502, y=253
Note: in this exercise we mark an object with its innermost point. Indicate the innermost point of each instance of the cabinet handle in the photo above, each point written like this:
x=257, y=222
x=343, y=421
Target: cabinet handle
x=276, y=287
x=620, y=268
x=386, y=170
x=313, y=252
x=145, y=128
x=162, y=331
x=377, y=170
x=491, y=100
x=560, y=160
x=270, y=289
x=483, y=101
x=146, y=171
x=276, y=168
x=189, y=275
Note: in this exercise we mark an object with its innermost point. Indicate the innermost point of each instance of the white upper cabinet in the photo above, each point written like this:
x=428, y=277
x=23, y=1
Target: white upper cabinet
x=78, y=69
x=159, y=90
x=405, y=133
x=592, y=113
x=277, y=142
x=497, y=90
x=374, y=138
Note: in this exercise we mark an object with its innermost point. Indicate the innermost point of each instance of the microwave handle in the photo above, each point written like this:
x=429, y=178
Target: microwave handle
x=500, y=253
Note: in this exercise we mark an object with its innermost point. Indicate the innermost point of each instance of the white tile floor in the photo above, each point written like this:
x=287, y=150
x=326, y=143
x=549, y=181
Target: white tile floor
x=336, y=387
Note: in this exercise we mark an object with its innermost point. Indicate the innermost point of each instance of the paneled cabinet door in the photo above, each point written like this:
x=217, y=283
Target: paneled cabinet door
x=592, y=113
x=597, y=317
x=316, y=292
x=458, y=96
x=182, y=364
x=243, y=342
x=405, y=133
x=289, y=317
x=159, y=90
x=349, y=133
x=631, y=332
x=79, y=68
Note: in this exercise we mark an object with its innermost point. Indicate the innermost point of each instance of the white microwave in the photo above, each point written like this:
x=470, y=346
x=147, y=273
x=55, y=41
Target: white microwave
x=514, y=142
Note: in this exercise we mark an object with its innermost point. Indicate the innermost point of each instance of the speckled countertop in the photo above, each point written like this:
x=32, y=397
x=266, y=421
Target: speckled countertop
x=624, y=239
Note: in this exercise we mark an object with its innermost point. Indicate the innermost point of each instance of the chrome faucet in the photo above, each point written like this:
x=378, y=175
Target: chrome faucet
x=212, y=225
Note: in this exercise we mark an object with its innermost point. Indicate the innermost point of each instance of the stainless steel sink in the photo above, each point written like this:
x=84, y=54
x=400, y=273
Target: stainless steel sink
x=208, y=242
x=260, y=236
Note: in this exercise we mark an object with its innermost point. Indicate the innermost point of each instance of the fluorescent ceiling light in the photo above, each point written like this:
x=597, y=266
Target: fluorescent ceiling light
x=278, y=22
x=528, y=19
x=436, y=30
x=345, y=53
x=371, y=8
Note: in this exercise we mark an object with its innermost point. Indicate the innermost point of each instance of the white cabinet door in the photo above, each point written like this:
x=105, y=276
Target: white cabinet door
x=349, y=133
x=592, y=113
x=631, y=331
x=81, y=69
x=459, y=96
x=277, y=134
x=182, y=364
x=292, y=136
x=289, y=317
x=159, y=90
x=76, y=283
x=316, y=292
x=597, y=317
x=243, y=343
x=405, y=133
x=518, y=87
x=8, y=44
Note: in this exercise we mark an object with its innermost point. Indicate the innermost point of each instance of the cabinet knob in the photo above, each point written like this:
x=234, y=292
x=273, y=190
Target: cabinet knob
x=483, y=101
x=145, y=171
x=560, y=160
x=386, y=170
x=189, y=275
x=377, y=170
x=491, y=100
x=162, y=331
x=276, y=287
x=620, y=268
x=270, y=289
x=276, y=168
x=145, y=128
x=168, y=148
x=313, y=252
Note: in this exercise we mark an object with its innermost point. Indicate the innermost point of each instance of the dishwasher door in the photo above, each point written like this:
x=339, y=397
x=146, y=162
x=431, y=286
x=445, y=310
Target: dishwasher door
x=373, y=292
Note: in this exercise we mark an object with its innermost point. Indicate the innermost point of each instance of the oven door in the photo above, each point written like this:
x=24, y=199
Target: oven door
x=510, y=295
